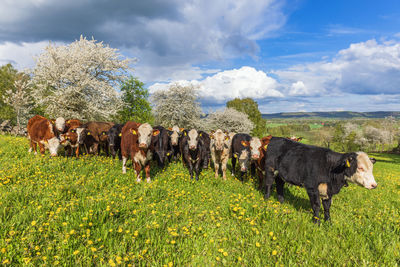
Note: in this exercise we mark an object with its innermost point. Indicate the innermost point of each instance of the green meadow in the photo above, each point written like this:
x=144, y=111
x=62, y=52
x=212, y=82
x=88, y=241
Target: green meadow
x=81, y=212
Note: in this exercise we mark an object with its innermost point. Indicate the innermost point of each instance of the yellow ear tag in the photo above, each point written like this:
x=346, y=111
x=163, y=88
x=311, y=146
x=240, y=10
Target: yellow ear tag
x=265, y=147
x=347, y=164
x=168, y=154
x=227, y=138
x=120, y=134
x=88, y=133
x=185, y=133
x=104, y=133
x=156, y=133
x=235, y=155
x=200, y=134
x=133, y=131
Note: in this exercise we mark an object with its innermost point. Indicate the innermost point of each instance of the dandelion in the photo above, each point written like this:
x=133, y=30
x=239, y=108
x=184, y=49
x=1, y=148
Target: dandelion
x=33, y=223
x=93, y=249
x=76, y=252
x=271, y=233
x=258, y=244
x=274, y=252
x=173, y=242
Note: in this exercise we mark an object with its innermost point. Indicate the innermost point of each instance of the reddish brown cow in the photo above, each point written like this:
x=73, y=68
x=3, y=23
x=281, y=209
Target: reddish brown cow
x=70, y=138
x=258, y=152
x=294, y=138
x=43, y=133
x=135, y=143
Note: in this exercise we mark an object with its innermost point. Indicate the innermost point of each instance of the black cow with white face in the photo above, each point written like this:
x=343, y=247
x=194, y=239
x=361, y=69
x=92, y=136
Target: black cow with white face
x=193, y=151
x=175, y=135
x=160, y=145
x=321, y=171
x=241, y=151
x=114, y=140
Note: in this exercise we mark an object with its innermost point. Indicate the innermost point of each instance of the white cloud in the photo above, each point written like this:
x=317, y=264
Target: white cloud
x=21, y=55
x=363, y=68
x=229, y=84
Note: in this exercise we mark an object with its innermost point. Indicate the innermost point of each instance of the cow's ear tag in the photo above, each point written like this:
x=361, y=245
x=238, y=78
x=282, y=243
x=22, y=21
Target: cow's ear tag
x=265, y=147
x=68, y=121
x=244, y=143
x=104, y=133
x=88, y=133
x=181, y=129
x=227, y=138
x=347, y=164
x=168, y=154
x=184, y=134
x=133, y=131
x=155, y=133
x=235, y=155
x=120, y=134
x=200, y=134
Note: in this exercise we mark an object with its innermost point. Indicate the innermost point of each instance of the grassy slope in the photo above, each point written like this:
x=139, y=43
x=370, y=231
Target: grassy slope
x=85, y=211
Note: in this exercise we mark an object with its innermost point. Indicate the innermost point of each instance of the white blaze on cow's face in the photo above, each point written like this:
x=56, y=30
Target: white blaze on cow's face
x=145, y=132
x=363, y=176
x=193, y=139
x=244, y=160
x=255, y=144
x=175, y=135
x=219, y=140
x=53, y=144
x=60, y=124
x=81, y=134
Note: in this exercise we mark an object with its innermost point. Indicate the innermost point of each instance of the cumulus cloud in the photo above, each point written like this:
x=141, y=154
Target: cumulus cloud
x=229, y=84
x=364, y=68
x=160, y=34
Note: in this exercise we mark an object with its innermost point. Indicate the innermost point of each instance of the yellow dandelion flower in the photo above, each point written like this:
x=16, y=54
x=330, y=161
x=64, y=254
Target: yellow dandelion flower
x=218, y=258
x=274, y=252
x=93, y=249
x=271, y=233
x=76, y=252
x=120, y=230
x=173, y=242
x=225, y=253
x=258, y=244
x=33, y=223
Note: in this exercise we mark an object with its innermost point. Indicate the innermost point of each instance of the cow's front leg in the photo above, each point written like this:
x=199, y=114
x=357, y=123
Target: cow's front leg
x=279, y=188
x=315, y=204
x=124, y=159
x=138, y=168
x=197, y=169
x=233, y=165
x=223, y=167
x=147, y=171
x=326, y=203
x=41, y=148
x=216, y=168
x=267, y=183
x=190, y=165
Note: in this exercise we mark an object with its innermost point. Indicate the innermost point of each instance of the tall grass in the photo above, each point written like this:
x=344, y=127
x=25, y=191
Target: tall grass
x=86, y=212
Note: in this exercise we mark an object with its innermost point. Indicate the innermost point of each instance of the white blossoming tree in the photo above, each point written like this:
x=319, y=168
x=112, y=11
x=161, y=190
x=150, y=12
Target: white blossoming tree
x=19, y=99
x=229, y=119
x=79, y=80
x=177, y=105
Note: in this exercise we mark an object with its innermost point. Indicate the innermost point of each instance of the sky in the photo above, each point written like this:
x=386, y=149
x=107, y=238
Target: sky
x=290, y=56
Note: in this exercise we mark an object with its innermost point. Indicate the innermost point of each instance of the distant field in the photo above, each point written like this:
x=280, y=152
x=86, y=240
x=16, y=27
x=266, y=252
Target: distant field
x=86, y=212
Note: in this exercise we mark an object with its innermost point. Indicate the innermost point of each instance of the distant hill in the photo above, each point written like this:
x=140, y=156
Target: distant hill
x=332, y=115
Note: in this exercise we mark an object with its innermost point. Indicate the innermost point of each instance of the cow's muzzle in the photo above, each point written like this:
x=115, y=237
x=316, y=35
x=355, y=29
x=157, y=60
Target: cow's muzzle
x=192, y=147
x=142, y=145
x=255, y=157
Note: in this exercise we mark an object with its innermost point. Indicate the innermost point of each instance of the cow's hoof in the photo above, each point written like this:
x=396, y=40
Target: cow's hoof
x=138, y=180
x=281, y=199
x=148, y=180
x=123, y=170
x=316, y=220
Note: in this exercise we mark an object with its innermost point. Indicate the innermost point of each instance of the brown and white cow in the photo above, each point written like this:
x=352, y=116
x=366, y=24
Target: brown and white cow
x=220, y=151
x=135, y=143
x=258, y=152
x=69, y=139
x=43, y=133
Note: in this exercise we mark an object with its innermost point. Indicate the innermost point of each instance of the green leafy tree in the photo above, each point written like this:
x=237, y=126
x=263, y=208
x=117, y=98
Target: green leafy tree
x=8, y=75
x=136, y=106
x=250, y=107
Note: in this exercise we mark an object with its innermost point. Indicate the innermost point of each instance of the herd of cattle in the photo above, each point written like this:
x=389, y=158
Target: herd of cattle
x=321, y=171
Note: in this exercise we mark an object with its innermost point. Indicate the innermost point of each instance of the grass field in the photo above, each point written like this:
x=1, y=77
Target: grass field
x=86, y=212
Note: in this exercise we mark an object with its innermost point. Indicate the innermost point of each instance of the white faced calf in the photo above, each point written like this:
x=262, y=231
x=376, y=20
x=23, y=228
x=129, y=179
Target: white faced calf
x=363, y=175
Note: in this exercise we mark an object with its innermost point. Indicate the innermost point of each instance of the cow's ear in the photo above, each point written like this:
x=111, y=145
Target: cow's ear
x=245, y=144
x=120, y=134
x=72, y=131
x=265, y=147
x=200, y=134
x=373, y=160
x=156, y=132
x=103, y=133
x=227, y=137
x=133, y=132
x=88, y=133
x=181, y=129
x=169, y=128
x=348, y=162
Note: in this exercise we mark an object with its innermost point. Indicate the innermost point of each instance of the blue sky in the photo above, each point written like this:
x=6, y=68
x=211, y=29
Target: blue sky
x=288, y=55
